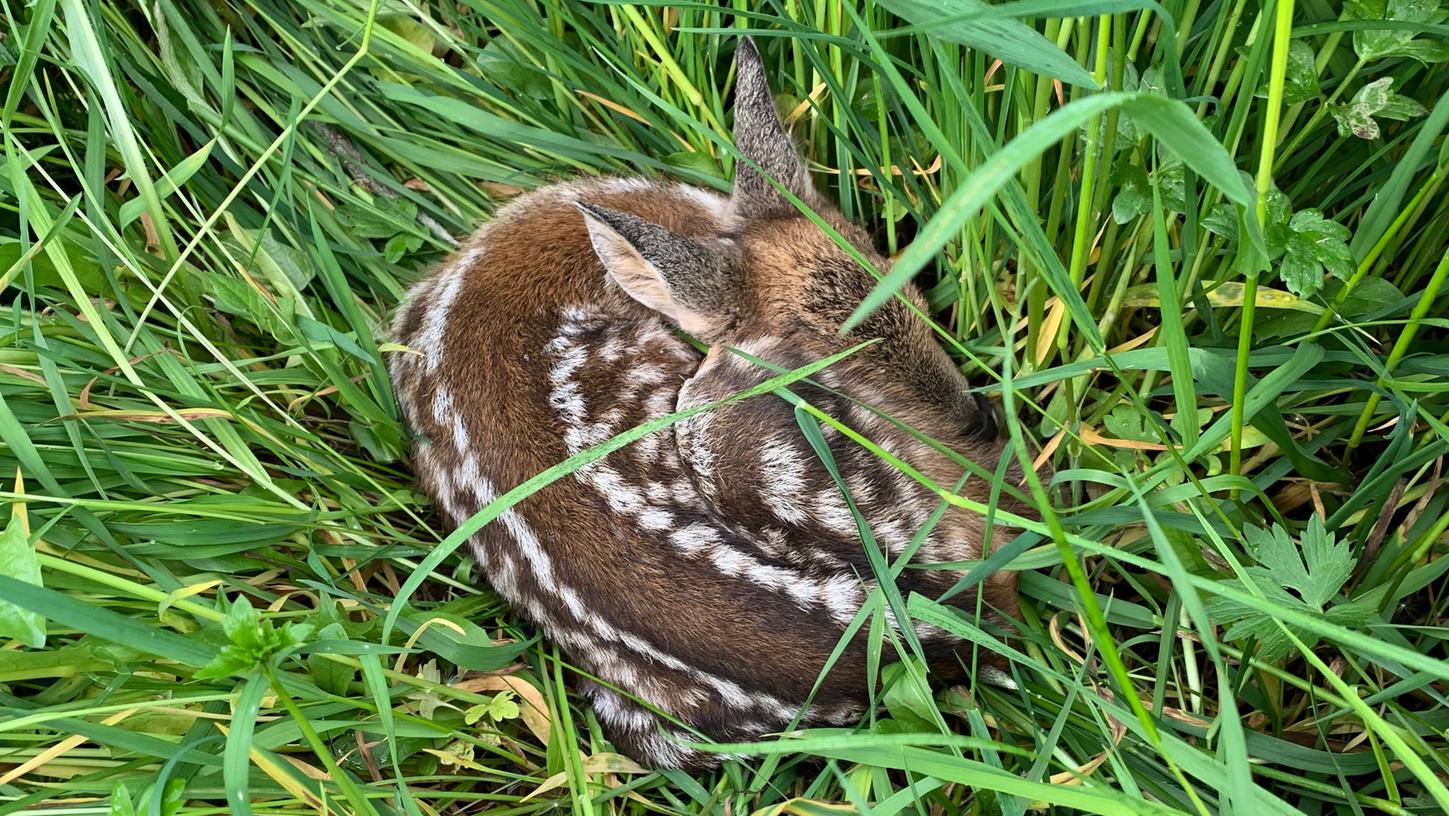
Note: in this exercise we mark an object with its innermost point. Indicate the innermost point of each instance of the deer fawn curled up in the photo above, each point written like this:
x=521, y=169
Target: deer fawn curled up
x=708, y=570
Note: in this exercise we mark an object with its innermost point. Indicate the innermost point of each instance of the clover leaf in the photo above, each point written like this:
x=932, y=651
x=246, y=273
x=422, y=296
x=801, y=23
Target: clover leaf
x=1377, y=43
x=1374, y=101
x=1301, y=82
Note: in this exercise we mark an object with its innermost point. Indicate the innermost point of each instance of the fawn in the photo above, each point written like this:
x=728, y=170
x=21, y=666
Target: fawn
x=705, y=573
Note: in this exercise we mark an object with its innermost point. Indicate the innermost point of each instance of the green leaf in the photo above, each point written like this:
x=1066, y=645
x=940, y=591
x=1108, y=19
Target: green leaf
x=1428, y=52
x=286, y=269
x=1374, y=100
x=1385, y=206
x=502, y=707
x=501, y=63
x=105, y=623
x=1315, y=245
x=236, y=756
x=241, y=299
x=1245, y=622
x=1221, y=221
x=1301, y=82
x=401, y=245
x=415, y=33
x=18, y=560
x=1169, y=120
x=331, y=676
x=904, y=696
x=88, y=54
x=243, y=624
x=173, y=797
x=1372, y=298
x=1178, y=129
x=1303, y=276
x=1009, y=40
x=1276, y=231
x=322, y=333
x=1376, y=43
x=383, y=218
x=1126, y=422
x=254, y=643
x=1356, y=117
x=698, y=161
x=1134, y=196
x=1329, y=564
x=121, y=804
x=1401, y=108
x=1305, y=578
x=1355, y=613
x=168, y=184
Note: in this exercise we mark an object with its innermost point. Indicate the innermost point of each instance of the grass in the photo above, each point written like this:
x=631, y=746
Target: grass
x=1197, y=249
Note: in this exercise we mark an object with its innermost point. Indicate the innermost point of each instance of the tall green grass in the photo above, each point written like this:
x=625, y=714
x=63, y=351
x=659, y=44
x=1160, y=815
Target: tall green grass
x=1196, y=248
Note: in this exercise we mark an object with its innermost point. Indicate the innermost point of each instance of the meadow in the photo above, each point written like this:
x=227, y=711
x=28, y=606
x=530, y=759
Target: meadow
x=1195, y=250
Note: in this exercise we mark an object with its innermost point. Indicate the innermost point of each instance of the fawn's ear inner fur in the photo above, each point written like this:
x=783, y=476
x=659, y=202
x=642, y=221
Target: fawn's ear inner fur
x=689, y=281
x=761, y=138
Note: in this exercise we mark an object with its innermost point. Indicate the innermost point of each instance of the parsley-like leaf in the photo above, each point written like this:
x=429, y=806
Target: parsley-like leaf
x=1314, y=245
x=1305, y=577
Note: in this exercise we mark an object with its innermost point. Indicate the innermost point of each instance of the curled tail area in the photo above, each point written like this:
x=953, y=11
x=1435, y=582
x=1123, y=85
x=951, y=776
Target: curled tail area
x=645, y=736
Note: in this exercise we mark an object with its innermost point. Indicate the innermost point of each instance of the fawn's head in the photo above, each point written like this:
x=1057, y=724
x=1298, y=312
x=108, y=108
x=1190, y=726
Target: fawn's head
x=773, y=277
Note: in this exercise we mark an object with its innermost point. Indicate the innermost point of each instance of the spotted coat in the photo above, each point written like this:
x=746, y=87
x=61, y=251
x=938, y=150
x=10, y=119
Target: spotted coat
x=708, y=570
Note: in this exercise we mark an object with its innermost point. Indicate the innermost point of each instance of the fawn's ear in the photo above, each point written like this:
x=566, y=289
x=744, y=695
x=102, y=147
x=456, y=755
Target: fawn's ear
x=692, y=282
x=761, y=139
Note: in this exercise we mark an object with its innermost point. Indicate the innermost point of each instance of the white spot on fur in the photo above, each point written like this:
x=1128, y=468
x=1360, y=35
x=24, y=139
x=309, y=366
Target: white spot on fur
x=996, y=677
x=695, y=447
x=622, y=497
x=656, y=518
x=839, y=594
x=782, y=478
x=570, y=360
x=860, y=488
x=449, y=420
x=772, y=542
x=611, y=350
x=696, y=537
x=435, y=322
x=684, y=492
x=647, y=448
x=891, y=533
x=661, y=402
x=568, y=401
x=831, y=511
x=624, y=186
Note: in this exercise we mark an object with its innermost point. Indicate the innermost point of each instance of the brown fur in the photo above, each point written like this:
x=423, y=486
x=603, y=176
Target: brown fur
x=668, y=569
